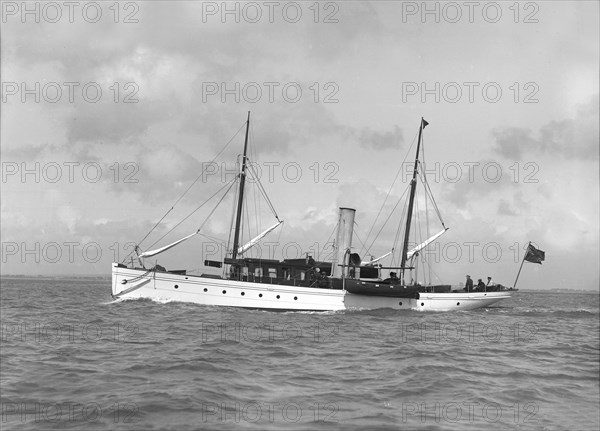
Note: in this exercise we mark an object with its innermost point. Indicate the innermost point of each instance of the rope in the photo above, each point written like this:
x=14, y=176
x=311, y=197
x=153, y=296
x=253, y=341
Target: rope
x=426, y=207
x=399, y=230
x=257, y=221
x=357, y=237
x=386, y=220
x=230, y=183
x=139, y=277
x=214, y=239
x=232, y=219
x=212, y=161
x=390, y=191
x=263, y=191
x=327, y=242
x=215, y=208
x=187, y=190
x=429, y=194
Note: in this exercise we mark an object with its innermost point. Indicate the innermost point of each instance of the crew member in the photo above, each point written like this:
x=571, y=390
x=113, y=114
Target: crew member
x=469, y=284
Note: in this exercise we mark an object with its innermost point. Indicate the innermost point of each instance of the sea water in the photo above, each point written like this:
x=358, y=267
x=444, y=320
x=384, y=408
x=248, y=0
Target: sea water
x=72, y=358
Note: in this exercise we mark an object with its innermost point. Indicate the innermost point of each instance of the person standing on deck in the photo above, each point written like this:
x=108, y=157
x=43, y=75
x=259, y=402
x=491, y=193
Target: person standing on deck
x=469, y=284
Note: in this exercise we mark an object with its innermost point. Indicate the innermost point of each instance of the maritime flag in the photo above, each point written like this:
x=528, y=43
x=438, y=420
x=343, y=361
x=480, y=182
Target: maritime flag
x=534, y=255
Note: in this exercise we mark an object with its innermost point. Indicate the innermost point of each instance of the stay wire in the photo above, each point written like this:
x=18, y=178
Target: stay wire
x=185, y=192
x=230, y=184
x=327, y=242
x=263, y=191
x=387, y=219
x=390, y=190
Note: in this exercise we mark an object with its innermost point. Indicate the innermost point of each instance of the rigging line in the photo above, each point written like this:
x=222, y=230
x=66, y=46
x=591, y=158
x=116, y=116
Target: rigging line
x=356, y=235
x=212, y=161
x=187, y=190
x=418, y=236
x=429, y=193
x=327, y=242
x=257, y=224
x=247, y=195
x=399, y=231
x=230, y=184
x=277, y=243
x=386, y=220
x=426, y=185
x=390, y=189
x=253, y=157
x=223, y=273
x=424, y=180
x=263, y=191
x=434, y=273
x=151, y=230
x=427, y=226
x=214, y=209
x=214, y=239
x=256, y=202
x=232, y=215
x=248, y=224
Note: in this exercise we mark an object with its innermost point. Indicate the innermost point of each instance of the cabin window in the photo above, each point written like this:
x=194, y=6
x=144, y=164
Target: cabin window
x=273, y=272
x=245, y=271
x=302, y=275
x=258, y=272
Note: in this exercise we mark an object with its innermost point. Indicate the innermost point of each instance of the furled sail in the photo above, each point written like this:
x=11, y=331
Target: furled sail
x=421, y=246
x=371, y=262
x=151, y=253
x=255, y=240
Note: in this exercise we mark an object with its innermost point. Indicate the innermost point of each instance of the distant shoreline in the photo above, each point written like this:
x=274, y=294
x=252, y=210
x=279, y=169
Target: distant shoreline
x=107, y=278
x=55, y=277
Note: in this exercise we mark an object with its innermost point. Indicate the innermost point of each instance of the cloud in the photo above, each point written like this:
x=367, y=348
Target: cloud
x=114, y=122
x=571, y=138
x=504, y=208
x=276, y=128
x=369, y=138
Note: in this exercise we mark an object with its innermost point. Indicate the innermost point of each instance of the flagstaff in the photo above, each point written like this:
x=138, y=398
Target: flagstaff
x=521, y=267
x=532, y=255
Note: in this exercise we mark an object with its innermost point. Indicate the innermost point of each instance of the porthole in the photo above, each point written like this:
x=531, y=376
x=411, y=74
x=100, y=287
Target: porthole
x=400, y=303
x=422, y=304
x=205, y=289
x=278, y=297
x=224, y=292
x=295, y=298
x=260, y=295
x=458, y=303
x=176, y=286
x=243, y=293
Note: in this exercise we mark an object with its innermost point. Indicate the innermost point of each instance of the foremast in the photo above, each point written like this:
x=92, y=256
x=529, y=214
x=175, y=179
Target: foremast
x=413, y=188
x=238, y=218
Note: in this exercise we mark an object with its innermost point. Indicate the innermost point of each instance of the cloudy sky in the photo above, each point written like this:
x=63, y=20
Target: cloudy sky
x=110, y=111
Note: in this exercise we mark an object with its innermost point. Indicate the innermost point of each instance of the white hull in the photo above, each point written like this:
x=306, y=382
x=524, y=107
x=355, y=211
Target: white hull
x=136, y=283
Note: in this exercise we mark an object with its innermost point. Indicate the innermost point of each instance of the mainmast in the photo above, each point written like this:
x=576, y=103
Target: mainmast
x=238, y=218
x=413, y=187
